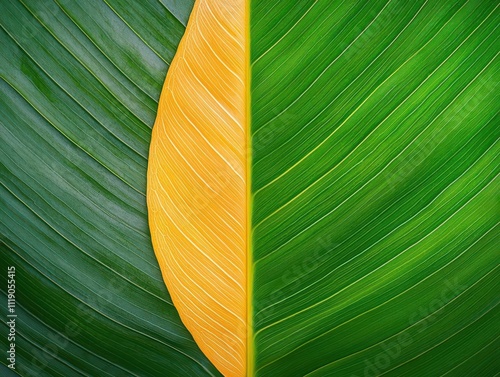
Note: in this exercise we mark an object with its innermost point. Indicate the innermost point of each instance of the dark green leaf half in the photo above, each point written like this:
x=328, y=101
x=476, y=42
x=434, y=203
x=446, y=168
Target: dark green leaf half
x=79, y=88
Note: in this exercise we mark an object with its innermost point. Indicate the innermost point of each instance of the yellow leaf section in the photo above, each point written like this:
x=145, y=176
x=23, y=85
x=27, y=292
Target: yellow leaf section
x=197, y=182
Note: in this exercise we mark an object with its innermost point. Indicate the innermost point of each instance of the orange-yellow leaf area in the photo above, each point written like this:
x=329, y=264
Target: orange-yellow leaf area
x=197, y=184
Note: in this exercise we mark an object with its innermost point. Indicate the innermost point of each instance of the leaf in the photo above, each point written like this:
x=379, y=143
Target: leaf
x=79, y=89
x=372, y=185
x=197, y=183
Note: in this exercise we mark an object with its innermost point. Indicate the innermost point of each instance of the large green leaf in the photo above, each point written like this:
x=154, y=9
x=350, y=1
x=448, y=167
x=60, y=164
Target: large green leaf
x=79, y=87
x=375, y=187
x=374, y=177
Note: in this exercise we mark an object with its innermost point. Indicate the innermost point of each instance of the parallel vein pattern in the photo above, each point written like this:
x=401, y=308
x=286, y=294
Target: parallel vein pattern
x=79, y=83
x=375, y=136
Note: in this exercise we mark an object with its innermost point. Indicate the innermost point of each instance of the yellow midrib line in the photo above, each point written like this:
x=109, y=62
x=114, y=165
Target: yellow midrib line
x=250, y=362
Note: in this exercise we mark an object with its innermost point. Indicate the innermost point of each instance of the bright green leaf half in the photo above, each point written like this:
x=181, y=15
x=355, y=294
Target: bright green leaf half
x=375, y=137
